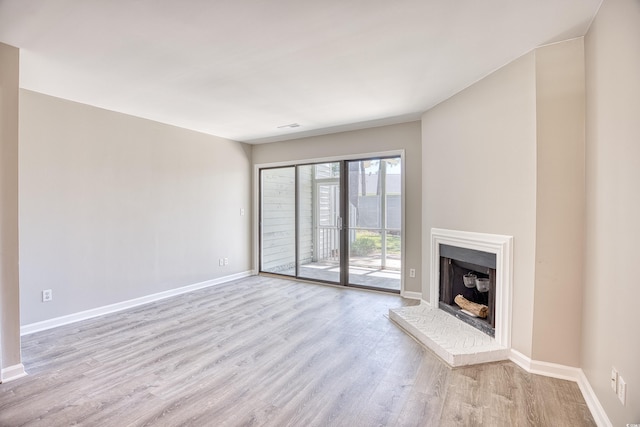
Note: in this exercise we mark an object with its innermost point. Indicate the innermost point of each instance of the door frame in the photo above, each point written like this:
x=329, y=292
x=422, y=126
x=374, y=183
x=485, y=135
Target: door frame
x=344, y=194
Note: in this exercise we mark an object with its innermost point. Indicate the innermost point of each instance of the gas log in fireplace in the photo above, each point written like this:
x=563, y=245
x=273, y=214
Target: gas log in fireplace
x=455, y=263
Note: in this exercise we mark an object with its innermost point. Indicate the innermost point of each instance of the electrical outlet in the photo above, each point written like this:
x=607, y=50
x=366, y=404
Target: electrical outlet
x=622, y=390
x=614, y=380
x=221, y=262
x=47, y=295
x=412, y=272
x=226, y=261
x=241, y=211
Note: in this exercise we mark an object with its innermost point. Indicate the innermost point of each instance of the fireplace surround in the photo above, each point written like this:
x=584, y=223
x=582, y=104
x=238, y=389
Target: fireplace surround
x=497, y=247
x=455, y=341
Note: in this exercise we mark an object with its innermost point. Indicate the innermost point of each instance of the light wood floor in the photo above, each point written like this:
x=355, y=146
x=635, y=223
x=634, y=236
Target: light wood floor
x=265, y=351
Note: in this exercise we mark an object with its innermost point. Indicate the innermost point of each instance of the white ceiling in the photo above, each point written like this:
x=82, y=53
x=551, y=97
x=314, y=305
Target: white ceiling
x=240, y=68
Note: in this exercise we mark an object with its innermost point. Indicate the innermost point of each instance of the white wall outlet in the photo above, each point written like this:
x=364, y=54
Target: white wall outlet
x=226, y=261
x=622, y=390
x=47, y=295
x=221, y=262
x=412, y=272
x=614, y=380
x=241, y=211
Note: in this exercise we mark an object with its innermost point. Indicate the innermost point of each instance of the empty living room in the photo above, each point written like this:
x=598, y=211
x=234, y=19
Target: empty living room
x=338, y=213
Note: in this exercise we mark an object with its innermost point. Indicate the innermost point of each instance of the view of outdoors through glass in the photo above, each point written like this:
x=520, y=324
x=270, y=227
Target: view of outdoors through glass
x=375, y=222
x=303, y=222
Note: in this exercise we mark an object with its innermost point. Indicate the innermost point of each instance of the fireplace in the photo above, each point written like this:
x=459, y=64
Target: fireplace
x=460, y=269
x=456, y=253
x=452, y=255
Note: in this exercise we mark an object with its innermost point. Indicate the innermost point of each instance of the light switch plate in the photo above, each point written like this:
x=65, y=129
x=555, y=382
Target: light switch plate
x=622, y=390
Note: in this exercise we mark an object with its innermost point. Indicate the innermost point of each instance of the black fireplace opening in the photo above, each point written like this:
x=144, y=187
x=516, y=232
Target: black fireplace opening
x=455, y=263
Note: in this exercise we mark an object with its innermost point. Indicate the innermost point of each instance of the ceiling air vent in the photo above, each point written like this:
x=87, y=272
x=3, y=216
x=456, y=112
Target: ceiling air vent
x=290, y=125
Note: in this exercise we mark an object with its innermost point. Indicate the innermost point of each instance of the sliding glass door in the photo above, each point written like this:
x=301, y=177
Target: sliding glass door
x=319, y=222
x=375, y=223
x=336, y=222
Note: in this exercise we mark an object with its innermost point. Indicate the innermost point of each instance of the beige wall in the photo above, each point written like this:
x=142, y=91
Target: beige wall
x=506, y=156
x=385, y=138
x=114, y=207
x=479, y=174
x=560, y=112
x=610, y=320
x=9, y=283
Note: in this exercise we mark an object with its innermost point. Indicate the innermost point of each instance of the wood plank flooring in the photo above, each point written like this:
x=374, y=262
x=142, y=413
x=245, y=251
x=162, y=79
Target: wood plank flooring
x=263, y=351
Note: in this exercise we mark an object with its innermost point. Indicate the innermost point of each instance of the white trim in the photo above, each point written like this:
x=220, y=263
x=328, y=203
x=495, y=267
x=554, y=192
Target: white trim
x=520, y=359
x=357, y=156
x=547, y=369
x=597, y=411
x=13, y=372
x=403, y=224
x=411, y=295
x=256, y=219
x=568, y=373
x=497, y=244
x=112, y=308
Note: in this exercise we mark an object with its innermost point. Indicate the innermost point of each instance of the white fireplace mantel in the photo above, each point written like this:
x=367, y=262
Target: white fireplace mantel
x=502, y=247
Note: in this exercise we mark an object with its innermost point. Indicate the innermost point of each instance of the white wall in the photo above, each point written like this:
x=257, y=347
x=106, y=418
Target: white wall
x=9, y=272
x=114, y=207
x=479, y=174
x=385, y=138
x=610, y=320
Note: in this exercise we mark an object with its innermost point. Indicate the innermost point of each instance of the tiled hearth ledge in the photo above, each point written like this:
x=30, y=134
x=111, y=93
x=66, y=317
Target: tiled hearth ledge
x=452, y=340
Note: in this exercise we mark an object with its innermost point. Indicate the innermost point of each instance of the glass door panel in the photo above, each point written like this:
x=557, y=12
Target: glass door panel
x=374, y=194
x=307, y=231
x=319, y=222
x=277, y=221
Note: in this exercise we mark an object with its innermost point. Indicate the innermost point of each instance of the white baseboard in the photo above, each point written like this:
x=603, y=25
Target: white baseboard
x=112, y=308
x=13, y=372
x=411, y=295
x=597, y=411
x=569, y=373
x=547, y=369
x=520, y=359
